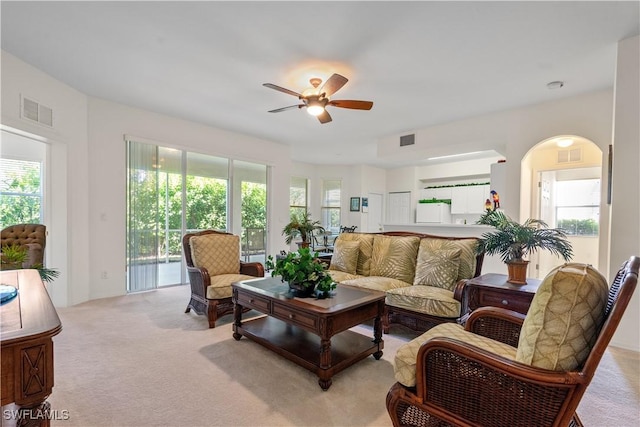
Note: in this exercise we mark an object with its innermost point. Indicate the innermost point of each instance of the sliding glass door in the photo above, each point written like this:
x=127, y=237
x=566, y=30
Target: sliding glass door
x=252, y=181
x=173, y=192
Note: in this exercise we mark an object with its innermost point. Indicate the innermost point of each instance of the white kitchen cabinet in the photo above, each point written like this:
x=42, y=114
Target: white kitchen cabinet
x=469, y=199
x=439, y=213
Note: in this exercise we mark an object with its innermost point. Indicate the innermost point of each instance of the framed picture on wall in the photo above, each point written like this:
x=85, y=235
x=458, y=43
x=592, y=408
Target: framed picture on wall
x=355, y=204
x=365, y=204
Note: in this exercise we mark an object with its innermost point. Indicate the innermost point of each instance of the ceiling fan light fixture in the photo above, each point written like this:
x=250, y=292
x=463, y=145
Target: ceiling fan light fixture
x=315, y=108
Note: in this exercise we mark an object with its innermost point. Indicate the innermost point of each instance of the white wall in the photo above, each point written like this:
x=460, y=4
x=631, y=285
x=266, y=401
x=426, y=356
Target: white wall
x=625, y=206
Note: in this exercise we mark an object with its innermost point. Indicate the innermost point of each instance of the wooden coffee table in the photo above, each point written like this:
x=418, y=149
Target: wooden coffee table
x=310, y=332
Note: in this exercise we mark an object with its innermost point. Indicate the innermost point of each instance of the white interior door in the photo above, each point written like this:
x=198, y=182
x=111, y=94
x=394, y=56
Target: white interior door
x=399, y=208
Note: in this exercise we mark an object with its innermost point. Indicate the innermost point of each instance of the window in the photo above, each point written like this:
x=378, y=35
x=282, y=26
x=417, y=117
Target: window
x=298, y=196
x=578, y=206
x=330, y=210
x=20, y=192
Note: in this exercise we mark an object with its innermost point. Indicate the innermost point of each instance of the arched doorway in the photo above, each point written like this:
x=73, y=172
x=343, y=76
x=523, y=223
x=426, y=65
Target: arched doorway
x=562, y=180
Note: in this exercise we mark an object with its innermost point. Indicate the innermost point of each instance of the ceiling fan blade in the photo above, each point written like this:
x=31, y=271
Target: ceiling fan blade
x=324, y=117
x=331, y=86
x=281, y=89
x=354, y=105
x=290, y=107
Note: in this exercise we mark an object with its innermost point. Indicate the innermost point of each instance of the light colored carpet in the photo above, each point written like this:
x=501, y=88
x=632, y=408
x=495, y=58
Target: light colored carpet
x=139, y=360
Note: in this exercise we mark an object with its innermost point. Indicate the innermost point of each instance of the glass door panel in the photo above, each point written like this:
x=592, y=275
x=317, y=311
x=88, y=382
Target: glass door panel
x=252, y=181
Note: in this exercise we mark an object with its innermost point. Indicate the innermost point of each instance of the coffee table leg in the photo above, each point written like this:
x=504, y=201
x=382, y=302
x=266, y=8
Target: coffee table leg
x=325, y=362
x=237, y=320
x=377, y=336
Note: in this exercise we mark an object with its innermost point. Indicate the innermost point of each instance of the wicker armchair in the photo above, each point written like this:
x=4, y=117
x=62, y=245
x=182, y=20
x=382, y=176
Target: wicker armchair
x=460, y=384
x=213, y=264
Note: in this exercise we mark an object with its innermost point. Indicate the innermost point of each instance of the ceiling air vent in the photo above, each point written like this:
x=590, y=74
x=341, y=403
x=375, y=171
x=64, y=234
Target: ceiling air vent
x=36, y=112
x=407, y=140
x=570, y=156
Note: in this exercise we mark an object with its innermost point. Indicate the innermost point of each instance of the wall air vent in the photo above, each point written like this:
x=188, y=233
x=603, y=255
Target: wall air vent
x=36, y=112
x=573, y=155
x=407, y=140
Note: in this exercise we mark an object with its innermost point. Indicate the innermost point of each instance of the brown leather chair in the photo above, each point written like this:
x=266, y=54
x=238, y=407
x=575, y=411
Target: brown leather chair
x=31, y=236
x=213, y=264
x=469, y=376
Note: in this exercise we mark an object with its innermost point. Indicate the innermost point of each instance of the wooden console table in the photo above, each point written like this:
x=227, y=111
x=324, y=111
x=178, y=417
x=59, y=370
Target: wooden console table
x=27, y=325
x=312, y=333
x=493, y=290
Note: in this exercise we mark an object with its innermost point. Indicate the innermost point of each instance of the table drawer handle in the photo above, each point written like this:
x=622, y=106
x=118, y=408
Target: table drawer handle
x=505, y=302
x=291, y=316
x=251, y=300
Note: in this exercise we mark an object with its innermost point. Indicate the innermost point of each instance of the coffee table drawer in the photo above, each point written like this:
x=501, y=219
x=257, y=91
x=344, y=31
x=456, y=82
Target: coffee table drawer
x=255, y=302
x=295, y=317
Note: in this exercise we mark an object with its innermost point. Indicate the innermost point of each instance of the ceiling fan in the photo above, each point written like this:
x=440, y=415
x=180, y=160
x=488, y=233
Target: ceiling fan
x=317, y=99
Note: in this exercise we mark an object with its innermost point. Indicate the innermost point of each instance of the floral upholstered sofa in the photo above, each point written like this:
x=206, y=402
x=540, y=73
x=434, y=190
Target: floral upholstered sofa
x=422, y=275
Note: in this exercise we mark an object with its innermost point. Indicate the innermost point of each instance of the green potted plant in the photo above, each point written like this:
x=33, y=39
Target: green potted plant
x=302, y=226
x=13, y=257
x=304, y=273
x=514, y=241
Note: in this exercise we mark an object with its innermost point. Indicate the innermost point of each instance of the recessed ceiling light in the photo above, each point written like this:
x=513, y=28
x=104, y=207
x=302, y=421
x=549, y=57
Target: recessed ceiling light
x=564, y=142
x=555, y=85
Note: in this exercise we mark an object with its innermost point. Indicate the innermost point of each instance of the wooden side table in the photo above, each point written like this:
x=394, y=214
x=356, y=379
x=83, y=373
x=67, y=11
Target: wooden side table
x=27, y=326
x=493, y=290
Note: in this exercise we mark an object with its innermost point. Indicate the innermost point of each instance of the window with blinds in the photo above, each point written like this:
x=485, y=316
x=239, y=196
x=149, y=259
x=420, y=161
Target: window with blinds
x=330, y=209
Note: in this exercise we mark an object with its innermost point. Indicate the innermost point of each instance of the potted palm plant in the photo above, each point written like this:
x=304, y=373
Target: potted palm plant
x=514, y=241
x=301, y=226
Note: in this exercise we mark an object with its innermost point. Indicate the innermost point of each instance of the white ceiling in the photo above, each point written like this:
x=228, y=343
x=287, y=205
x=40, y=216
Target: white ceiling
x=421, y=63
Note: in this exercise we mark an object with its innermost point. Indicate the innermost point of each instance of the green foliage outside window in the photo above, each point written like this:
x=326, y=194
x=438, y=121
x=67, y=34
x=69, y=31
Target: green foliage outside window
x=20, y=201
x=579, y=227
x=206, y=208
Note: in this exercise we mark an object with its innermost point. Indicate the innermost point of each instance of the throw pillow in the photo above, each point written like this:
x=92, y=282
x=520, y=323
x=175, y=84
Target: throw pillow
x=564, y=318
x=345, y=256
x=467, y=257
x=395, y=257
x=366, y=247
x=436, y=267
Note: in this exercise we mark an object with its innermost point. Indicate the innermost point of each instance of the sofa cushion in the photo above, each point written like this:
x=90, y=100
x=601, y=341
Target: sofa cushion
x=376, y=283
x=436, y=266
x=365, y=249
x=425, y=299
x=218, y=253
x=221, y=285
x=406, y=357
x=341, y=276
x=395, y=257
x=345, y=256
x=564, y=318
